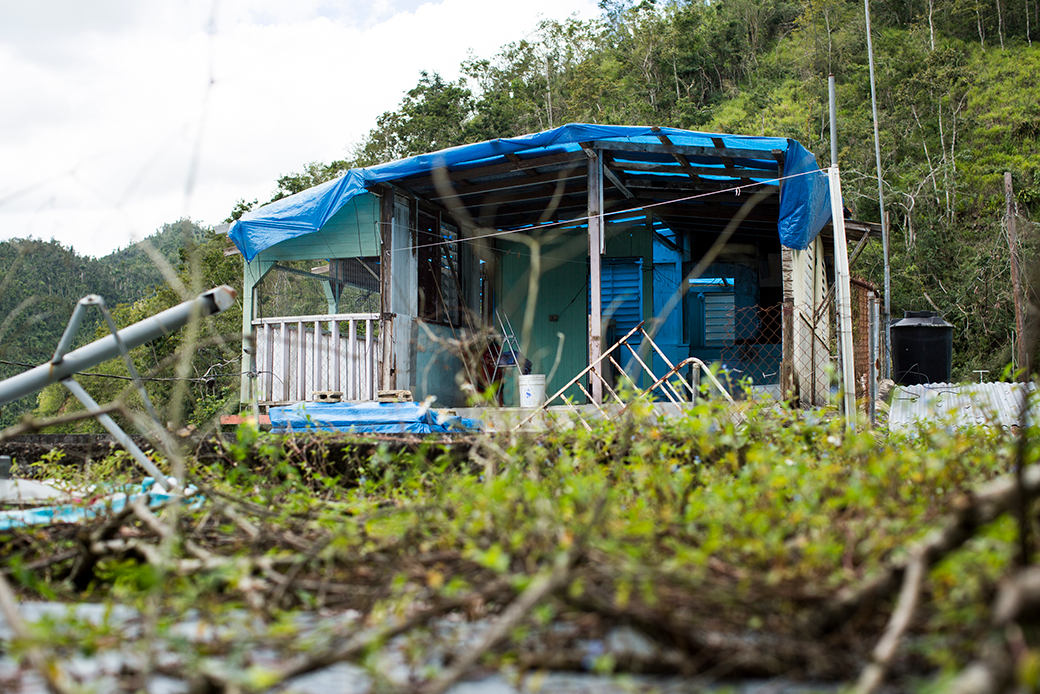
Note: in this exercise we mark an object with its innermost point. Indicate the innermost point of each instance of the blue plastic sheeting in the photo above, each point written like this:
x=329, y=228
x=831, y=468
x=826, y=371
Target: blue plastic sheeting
x=78, y=513
x=804, y=196
x=366, y=418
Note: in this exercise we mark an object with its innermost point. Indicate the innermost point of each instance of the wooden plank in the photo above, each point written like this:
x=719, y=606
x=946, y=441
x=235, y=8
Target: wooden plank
x=595, y=209
x=686, y=150
x=268, y=364
x=732, y=170
x=511, y=156
x=301, y=361
x=316, y=316
x=286, y=346
x=352, y=371
x=334, y=325
x=675, y=183
x=726, y=159
x=318, y=385
x=370, y=360
x=843, y=307
x=616, y=180
x=496, y=169
x=386, y=316
x=544, y=193
x=681, y=158
x=533, y=183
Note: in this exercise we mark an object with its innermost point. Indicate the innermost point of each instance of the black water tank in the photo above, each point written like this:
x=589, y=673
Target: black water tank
x=922, y=348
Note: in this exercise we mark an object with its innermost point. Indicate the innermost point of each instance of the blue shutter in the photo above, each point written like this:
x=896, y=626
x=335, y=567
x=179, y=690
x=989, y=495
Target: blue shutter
x=621, y=292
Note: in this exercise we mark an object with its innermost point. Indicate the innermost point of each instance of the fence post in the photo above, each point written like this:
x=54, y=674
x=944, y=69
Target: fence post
x=787, y=351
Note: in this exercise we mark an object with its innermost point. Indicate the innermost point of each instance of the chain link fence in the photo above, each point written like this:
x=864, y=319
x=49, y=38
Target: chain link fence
x=789, y=351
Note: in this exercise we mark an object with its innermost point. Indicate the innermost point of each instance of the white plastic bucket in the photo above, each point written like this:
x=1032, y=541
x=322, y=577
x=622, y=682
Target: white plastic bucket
x=532, y=390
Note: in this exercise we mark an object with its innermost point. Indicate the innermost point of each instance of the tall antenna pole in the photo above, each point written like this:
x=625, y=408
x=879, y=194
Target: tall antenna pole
x=886, y=363
x=834, y=119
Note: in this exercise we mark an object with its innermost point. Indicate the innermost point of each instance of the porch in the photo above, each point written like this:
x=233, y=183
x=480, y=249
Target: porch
x=317, y=357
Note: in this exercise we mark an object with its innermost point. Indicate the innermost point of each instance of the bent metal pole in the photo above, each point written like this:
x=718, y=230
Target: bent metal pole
x=64, y=366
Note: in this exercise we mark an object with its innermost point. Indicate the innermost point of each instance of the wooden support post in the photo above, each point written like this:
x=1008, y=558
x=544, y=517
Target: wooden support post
x=386, y=316
x=844, y=299
x=872, y=380
x=1022, y=366
x=283, y=331
x=787, y=351
x=595, y=211
x=252, y=273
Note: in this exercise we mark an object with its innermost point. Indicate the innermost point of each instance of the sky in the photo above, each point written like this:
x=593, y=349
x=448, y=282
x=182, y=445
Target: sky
x=118, y=116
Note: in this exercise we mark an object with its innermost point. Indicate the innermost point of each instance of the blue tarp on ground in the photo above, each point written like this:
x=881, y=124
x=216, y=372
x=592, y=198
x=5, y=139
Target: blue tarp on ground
x=366, y=418
x=113, y=503
x=804, y=196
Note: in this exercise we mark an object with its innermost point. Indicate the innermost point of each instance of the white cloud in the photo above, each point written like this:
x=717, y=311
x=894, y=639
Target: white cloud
x=106, y=109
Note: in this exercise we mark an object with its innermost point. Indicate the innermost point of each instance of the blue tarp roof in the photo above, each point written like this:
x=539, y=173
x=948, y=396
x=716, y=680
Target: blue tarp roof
x=804, y=195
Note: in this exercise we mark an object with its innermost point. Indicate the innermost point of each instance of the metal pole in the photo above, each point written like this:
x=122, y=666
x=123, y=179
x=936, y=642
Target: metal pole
x=117, y=433
x=78, y=314
x=170, y=320
x=885, y=338
x=834, y=119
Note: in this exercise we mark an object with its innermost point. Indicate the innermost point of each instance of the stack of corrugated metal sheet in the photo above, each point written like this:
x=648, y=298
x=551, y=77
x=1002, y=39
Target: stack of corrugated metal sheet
x=959, y=404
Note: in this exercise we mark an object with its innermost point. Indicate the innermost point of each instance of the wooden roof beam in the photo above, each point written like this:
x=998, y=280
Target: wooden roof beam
x=505, y=167
x=542, y=193
x=732, y=172
x=686, y=150
x=511, y=156
x=684, y=163
x=514, y=183
x=613, y=178
x=675, y=184
x=727, y=160
x=590, y=152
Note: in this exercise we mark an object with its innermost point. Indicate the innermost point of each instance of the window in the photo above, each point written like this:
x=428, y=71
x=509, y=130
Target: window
x=711, y=312
x=440, y=282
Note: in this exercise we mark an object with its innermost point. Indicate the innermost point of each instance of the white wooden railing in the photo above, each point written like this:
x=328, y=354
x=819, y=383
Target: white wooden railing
x=298, y=356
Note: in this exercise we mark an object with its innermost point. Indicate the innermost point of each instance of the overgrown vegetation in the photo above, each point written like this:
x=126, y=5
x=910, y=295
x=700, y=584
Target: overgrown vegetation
x=724, y=536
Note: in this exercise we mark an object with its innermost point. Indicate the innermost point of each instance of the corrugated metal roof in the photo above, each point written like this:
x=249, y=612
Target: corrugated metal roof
x=959, y=404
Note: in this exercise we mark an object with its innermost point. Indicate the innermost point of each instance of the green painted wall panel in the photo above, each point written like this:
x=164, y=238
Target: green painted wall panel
x=563, y=292
x=437, y=369
x=353, y=232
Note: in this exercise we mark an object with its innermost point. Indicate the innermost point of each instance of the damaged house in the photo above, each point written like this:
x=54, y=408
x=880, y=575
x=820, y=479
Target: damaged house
x=559, y=243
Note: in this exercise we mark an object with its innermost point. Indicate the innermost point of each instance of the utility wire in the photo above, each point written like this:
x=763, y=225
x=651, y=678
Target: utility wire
x=117, y=376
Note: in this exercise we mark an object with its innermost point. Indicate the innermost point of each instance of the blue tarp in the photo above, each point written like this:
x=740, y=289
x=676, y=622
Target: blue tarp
x=804, y=195
x=367, y=418
x=79, y=513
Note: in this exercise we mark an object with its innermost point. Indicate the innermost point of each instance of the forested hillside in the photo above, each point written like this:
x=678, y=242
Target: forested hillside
x=41, y=281
x=957, y=105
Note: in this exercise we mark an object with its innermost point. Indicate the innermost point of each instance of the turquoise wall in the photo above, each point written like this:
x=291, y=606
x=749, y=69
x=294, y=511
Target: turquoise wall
x=353, y=232
x=436, y=370
x=562, y=293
